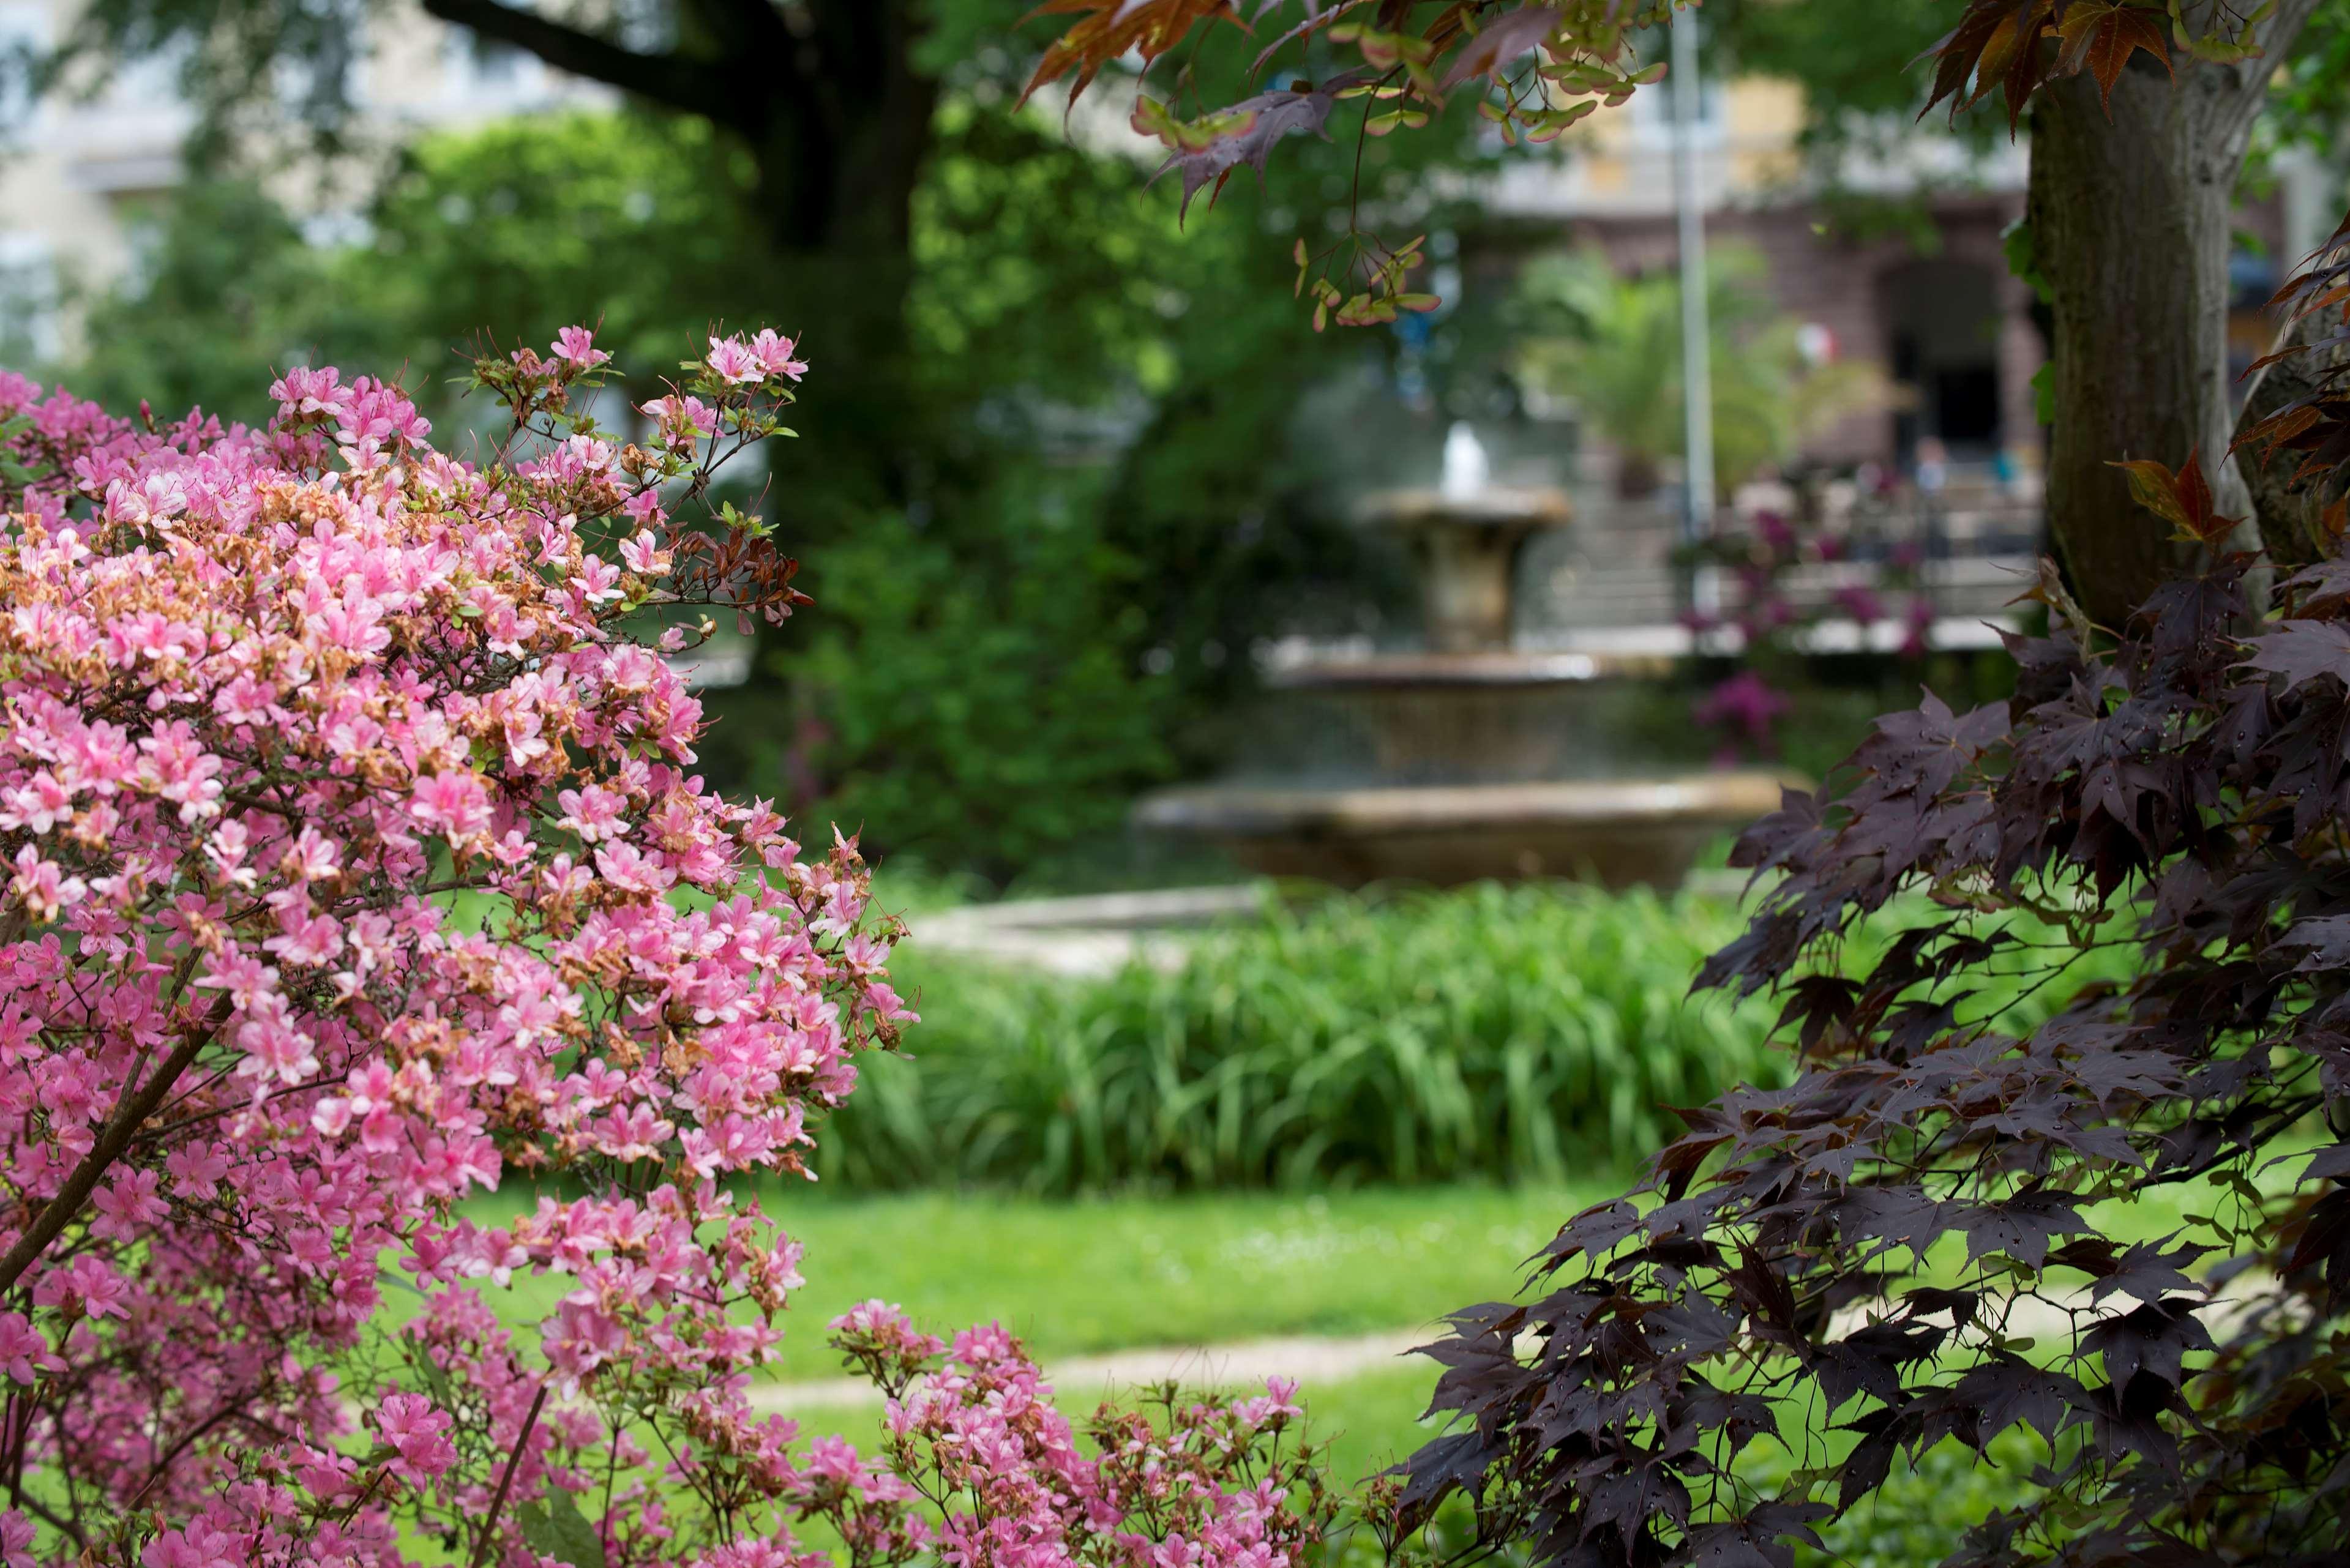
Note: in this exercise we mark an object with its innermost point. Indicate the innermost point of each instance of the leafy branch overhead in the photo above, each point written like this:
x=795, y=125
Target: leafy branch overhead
x=1539, y=69
x=2016, y=46
x=1536, y=69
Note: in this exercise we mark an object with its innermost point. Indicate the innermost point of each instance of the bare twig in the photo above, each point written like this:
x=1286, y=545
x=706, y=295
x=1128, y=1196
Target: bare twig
x=505, y=1478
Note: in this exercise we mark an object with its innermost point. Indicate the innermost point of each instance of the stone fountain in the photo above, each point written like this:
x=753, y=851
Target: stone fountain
x=1471, y=757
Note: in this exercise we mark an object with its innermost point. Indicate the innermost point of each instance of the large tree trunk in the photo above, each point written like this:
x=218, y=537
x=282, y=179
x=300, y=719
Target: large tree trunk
x=2131, y=216
x=829, y=100
x=839, y=153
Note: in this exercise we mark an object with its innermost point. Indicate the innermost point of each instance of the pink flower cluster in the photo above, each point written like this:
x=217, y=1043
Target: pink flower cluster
x=352, y=863
x=984, y=1471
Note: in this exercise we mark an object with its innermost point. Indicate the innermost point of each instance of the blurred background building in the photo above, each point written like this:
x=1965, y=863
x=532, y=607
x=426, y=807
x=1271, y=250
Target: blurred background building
x=87, y=175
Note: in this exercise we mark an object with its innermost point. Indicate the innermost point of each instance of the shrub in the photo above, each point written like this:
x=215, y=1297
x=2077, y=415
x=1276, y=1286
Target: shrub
x=1495, y=1033
x=356, y=864
x=2174, y=795
x=1522, y=1034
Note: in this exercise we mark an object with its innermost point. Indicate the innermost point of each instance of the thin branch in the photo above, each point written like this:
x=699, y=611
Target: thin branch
x=134, y=1110
x=687, y=86
x=505, y=1478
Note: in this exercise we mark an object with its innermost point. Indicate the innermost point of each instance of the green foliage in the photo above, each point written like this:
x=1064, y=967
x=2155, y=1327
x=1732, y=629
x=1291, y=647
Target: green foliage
x=972, y=719
x=1503, y=1033
x=2307, y=105
x=1090, y=476
x=1614, y=344
x=970, y=682
x=1923, y=1510
x=1511, y=1034
x=631, y=221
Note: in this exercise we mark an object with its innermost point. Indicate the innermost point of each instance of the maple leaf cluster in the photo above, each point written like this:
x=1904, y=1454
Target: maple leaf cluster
x=1539, y=70
x=2015, y=46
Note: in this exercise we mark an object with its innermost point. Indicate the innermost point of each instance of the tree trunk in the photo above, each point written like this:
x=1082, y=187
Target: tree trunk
x=839, y=152
x=827, y=99
x=2288, y=515
x=2131, y=218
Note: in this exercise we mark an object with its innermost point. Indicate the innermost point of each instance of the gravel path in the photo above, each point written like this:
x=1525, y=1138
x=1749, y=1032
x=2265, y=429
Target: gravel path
x=1308, y=1359
x=1311, y=1359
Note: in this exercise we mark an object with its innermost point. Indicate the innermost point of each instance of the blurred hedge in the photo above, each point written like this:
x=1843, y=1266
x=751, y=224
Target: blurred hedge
x=1508, y=1034
x=1526, y=1034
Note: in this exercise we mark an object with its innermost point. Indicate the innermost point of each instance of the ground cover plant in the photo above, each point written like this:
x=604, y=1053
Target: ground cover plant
x=356, y=864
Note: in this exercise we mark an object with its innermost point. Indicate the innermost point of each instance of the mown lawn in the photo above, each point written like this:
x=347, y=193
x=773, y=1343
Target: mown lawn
x=1093, y=1275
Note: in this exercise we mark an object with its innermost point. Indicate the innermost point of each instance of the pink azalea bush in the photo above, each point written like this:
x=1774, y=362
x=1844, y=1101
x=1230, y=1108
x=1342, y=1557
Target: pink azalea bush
x=356, y=864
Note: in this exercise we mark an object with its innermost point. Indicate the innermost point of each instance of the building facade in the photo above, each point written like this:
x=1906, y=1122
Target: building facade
x=1904, y=266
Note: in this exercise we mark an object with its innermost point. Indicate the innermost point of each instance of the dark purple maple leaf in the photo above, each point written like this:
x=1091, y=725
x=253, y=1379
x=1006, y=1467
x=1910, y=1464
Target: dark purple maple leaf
x=1501, y=41
x=1247, y=130
x=2302, y=651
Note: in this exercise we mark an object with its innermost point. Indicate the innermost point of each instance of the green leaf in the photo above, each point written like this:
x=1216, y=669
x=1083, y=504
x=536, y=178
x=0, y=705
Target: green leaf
x=556, y=1528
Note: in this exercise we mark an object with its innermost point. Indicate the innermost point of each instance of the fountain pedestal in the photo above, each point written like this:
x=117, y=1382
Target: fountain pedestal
x=1468, y=547
x=1484, y=761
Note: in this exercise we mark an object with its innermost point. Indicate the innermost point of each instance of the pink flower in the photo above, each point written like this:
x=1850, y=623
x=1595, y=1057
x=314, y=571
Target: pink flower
x=16, y=1535
x=644, y=554
x=1278, y=1403
x=453, y=805
x=775, y=354
x=731, y=361
x=1745, y=705
x=576, y=346
x=23, y=1351
x=419, y=1433
x=42, y=885
x=1860, y=604
x=87, y=1287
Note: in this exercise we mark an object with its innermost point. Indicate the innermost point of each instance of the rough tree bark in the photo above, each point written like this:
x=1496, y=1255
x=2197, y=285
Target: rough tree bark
x=2131, y=213
x=2288, y=515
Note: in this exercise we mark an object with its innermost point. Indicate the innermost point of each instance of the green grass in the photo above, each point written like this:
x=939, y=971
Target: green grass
x=1109, y=1273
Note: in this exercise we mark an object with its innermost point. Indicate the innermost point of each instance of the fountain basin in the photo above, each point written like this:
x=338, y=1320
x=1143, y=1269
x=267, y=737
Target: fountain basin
x=1617, y=831
x=1493, y=716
